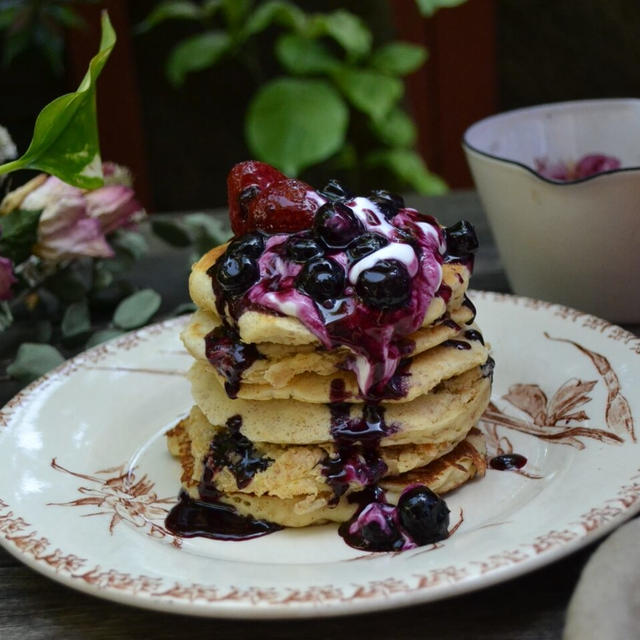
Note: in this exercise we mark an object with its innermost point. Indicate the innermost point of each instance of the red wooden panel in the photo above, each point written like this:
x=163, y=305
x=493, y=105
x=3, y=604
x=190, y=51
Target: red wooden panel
x=457, y=86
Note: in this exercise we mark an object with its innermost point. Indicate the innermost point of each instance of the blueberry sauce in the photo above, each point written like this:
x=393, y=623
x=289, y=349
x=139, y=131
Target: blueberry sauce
x=460, y=345
x=467, y=303
x=230, y=449
x=508, y=462
x=472, y=334
x=488, y=367
x=211, y=519
x=229, y=356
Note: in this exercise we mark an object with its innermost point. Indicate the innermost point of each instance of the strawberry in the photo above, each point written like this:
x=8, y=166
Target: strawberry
x=285, y=206
x=244, y=182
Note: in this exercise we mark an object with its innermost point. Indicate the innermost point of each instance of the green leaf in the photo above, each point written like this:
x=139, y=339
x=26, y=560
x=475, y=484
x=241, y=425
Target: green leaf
x=206, y=231
x=236, y=11
x=170, y=10
x=279, y=12
x=397, y=129
x=399, y=58
x=72, y=283
x=102, y=336
x=196, y=53
x=347, y=29
x=294, y=123
x=429, y=7
x=65, y=137
x=34, y=360
x=76, y=321
x=6, y=317
x=137, y=309
x=19, y=234
x=172, y=232
x=409, y=167
x=371, y=92
x=302, y=56
x=102, y=277
x=130, y=241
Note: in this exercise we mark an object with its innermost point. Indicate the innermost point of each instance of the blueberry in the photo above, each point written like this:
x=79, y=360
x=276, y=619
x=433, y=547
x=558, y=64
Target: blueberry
x=366, y=244
x=375, y=538
x=461, y=239
x=236, y=272
x=423, y=515
x=384, y=286
x=336, y=225
x=335, y=192
x=321, y=279
x=250, y=244
x=389, y=203
x=373, y=529
x=302, y=249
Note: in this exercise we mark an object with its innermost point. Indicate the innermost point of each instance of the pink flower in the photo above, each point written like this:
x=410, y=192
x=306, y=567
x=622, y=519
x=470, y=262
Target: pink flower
x=113, y=206
x=6, y=278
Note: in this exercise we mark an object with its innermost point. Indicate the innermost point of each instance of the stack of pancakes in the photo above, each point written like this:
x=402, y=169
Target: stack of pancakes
x=273, y=451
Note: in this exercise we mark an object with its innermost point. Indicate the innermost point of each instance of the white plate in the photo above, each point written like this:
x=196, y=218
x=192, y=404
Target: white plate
x=86, y=479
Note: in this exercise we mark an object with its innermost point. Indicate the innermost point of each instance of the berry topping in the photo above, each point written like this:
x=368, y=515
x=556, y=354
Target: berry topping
x=251, y=244
x=336, y=225
x=335, y=192
x=389, y=203
x=285, y=206
x=321, y=279
x=302, y=249
x=423, y=515
x=366, y=244
x=374, y=529
x=244, y=182
x=461, y=239
x=384, y=286
x=236, y=272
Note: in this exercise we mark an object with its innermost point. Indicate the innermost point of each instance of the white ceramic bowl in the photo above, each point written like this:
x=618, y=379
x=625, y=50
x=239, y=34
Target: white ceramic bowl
x=576, y=242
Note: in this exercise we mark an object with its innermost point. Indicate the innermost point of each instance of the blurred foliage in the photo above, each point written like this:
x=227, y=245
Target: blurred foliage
x=39, y=24
x=335, y=81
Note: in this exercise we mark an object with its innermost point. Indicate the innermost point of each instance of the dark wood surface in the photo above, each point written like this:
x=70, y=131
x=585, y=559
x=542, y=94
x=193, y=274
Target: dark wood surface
x=531, y=607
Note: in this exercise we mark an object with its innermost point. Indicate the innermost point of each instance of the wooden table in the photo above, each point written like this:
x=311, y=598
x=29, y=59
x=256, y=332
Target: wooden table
x=528, y=608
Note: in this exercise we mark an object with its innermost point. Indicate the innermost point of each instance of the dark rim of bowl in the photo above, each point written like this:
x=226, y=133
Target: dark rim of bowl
x=466, y=143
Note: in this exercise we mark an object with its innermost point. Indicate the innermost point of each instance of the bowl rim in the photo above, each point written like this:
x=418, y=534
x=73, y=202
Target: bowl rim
x=540, y=107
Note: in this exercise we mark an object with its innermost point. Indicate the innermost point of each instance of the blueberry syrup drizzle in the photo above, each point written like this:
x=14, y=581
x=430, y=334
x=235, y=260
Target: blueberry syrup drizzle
x=473, y=334
x=508, y=462
x=230, y=449
x=209, y=517
x=467, y=303
x=191, y=518
x=229, y=356
x=460, y=345
x=488, y=367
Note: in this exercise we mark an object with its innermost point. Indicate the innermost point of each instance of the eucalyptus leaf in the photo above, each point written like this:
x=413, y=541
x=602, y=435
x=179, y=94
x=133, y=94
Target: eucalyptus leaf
x=72, y=283
x=236, y=11
x=132, y=242
x=44, y=331
x=172, y=232
x=170, y=10
x=102, y=277
x=280, y=12
x=76, y=320
x=6, y=317
x=429, y=7
x=34, y=360
x=19, y=232
x=294, y=123
x=137, y=309
x=368, y=91
x=397, y=129
x=347, y=29
x=196, y=53
x=65, y=137
x=399, y=58
x=185, y=307
x=410, y=168
x=102, y=336
x=302, y=56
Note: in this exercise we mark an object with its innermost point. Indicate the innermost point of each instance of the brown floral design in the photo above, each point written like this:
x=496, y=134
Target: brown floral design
x=118, y=494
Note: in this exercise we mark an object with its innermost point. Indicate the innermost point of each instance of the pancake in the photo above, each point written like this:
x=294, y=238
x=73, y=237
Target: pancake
x=453, y=407
x=257, y=326
x=443, y=475
x=278, y=364
x=421, y=374
x=285, y=471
